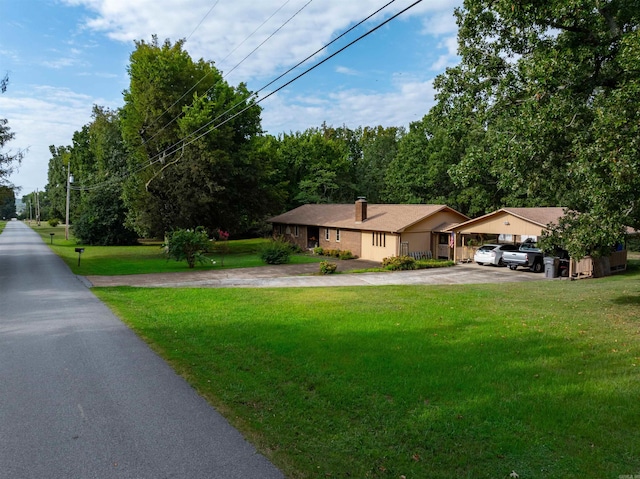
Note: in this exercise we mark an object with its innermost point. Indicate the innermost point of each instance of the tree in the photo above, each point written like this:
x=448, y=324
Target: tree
x=7, y=203
x=100, y=158
x=379, y=147
x=316, y=166
x=547, y=96
x=192, y=139
x=56, y=187
x=8, y=160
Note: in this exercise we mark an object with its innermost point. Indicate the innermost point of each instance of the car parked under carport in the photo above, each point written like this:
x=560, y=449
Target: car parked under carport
x=492, y=253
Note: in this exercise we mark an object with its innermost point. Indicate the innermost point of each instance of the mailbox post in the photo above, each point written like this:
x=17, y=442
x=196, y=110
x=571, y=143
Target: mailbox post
x=51, y=234
x=79, y=251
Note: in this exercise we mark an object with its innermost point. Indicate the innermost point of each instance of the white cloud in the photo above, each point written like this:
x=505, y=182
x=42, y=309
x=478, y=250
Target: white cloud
x=346, y=71
x=222, y=30
x=40, y=118
x=450, y=58
x=409, y=101
x=441, y=23
x=47, y=116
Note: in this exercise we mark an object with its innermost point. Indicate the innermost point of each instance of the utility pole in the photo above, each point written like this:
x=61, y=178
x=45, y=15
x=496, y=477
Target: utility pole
x=37, y=207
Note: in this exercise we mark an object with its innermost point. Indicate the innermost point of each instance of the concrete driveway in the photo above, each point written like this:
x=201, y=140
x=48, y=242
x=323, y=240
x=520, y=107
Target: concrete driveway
x=306, y=275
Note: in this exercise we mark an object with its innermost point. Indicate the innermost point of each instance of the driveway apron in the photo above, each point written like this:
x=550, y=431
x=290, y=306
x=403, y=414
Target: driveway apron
x=81, y=396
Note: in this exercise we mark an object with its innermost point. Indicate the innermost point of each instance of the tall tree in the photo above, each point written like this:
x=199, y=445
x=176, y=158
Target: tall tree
x=100, y=158
x=379, y=147
x=56, y=187
x=317, y=167
x=548, y=96
x=8, y=160
x=191, y=136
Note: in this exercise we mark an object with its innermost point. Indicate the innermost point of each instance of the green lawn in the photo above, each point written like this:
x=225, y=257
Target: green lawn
x=470, y=381
x=2, y=225
x=148, y=257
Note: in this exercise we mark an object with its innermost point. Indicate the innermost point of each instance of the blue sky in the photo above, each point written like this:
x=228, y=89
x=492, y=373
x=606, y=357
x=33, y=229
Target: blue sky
x=64, y=56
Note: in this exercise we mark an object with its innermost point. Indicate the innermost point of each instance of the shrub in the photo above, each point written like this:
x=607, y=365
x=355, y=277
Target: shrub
x=276, y=252
x=53, y=222
x=319, y=250
x=395, y=263
x=188, y=245
x=434, y=263
x=346, y=255
x=328, y=268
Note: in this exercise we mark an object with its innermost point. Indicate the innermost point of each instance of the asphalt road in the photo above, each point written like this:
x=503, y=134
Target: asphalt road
x=82, y=397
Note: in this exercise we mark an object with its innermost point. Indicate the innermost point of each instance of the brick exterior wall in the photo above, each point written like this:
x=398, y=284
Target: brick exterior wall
x=349, y=240
x=288, y=233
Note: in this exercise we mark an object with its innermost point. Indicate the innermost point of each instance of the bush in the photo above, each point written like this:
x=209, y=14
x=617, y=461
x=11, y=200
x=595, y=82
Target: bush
x=346, y=255
x=319, y=250
x=328, y=268
x=276, y=252
x=396, y=263
x=434, y=263
x=188, y=245
x=53, y=222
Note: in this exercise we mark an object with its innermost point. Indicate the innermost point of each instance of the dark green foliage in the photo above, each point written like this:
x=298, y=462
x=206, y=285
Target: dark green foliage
x=53, y=222
x=544, y=110
x=276, y=252
x=196, y=170
x=102, y=221
x=7, y=203
x=188, y=245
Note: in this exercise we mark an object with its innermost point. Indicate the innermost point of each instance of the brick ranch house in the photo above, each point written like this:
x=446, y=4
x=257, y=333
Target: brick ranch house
x=371, y=231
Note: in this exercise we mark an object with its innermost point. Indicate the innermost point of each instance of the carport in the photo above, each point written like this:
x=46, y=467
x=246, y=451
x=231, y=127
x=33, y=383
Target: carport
x=515, y=225
x=504, y=226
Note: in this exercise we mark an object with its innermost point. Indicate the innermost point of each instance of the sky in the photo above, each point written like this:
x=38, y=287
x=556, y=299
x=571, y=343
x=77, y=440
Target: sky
x=64, y=56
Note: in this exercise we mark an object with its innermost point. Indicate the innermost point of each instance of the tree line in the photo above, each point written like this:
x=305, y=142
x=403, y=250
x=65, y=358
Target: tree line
x=543, y=109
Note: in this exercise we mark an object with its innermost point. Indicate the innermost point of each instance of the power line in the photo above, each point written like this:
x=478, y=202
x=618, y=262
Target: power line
x=182, y=144
x=287, y=83
x=224, y=76
x=202, y=20
x=307, y=58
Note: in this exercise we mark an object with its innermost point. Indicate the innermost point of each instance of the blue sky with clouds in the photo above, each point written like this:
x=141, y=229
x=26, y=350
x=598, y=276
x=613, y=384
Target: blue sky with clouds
x=64, y=56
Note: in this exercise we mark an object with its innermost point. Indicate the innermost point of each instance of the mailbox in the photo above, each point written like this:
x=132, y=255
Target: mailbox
x=79, y=251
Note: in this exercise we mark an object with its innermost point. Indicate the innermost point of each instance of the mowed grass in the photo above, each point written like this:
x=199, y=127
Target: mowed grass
x=149, y=257
x=467, y=381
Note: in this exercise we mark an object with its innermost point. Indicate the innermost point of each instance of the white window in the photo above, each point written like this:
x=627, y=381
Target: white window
x=338, y=235
x=296, y=231
x=327, y=236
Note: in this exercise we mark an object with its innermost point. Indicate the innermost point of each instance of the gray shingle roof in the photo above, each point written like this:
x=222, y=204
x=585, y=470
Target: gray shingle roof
x=380, y=217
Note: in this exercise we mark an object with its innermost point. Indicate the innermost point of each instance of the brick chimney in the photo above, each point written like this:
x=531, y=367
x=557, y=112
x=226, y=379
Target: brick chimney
x=361, y=209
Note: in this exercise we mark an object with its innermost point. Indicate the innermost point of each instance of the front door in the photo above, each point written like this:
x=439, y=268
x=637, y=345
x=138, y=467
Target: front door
x=313, y=237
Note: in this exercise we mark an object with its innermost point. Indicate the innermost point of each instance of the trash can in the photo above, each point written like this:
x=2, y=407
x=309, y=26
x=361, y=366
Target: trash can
x=551, y=266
